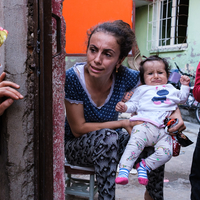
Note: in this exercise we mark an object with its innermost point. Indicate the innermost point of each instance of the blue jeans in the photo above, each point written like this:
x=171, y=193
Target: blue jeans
x=195, y=172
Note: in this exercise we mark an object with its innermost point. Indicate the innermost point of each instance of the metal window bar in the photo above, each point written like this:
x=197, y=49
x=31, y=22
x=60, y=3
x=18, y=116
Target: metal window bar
x=177, y=21
x=166, y=22
x=154, y=25
x=156, y=30
x=147, y=28
x=161, y=24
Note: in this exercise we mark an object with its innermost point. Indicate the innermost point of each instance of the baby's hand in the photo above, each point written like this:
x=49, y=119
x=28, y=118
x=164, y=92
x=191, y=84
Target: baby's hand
x=121, y=107
x=185, y=80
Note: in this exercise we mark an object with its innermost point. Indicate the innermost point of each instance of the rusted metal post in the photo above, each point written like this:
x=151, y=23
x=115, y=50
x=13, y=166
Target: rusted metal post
x=43, y=98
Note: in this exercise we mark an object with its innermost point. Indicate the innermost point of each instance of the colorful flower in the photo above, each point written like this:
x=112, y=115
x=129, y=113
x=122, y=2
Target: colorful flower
x=3, y=35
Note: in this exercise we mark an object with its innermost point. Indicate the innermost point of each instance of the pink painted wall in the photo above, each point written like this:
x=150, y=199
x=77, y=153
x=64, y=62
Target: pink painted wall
x=58, y=107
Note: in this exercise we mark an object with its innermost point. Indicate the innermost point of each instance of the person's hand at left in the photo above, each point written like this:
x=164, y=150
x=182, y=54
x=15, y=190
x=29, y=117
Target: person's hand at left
x=8, y=93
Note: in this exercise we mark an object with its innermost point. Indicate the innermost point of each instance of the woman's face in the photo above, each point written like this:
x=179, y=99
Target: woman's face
x=102, y=55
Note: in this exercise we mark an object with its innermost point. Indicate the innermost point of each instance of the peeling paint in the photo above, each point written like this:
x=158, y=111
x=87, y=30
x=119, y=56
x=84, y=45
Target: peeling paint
x=58, y=107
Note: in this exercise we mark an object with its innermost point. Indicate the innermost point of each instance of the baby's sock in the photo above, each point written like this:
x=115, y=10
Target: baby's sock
x=142, y=169
x=122, y=177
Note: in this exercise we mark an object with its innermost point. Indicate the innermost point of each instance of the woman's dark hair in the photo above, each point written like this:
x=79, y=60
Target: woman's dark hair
x=153, y=58
x=119, y=29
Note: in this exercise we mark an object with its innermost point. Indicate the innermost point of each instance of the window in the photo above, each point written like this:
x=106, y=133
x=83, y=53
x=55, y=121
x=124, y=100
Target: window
x=167, y=25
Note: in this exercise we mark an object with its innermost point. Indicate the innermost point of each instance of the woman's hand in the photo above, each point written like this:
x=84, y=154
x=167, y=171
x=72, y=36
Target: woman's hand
x=7, y=91
x=180, y=126
x=128, y=125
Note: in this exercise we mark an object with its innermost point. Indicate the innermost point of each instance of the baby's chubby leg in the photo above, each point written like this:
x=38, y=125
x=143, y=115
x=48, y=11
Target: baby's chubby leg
x=162, y=154
x=163, y=151
x=135, y=145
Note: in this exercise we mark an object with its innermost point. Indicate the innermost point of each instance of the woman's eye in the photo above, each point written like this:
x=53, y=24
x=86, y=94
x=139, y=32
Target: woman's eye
x=92, y=50
x=108, y=55
x=149, y=73
x=160, y=72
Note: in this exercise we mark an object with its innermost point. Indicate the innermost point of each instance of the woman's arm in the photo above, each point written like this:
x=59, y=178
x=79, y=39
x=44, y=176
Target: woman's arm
x=78, y=125
x=180, y=126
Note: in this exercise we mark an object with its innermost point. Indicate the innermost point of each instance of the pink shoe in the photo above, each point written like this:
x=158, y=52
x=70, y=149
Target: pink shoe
x=121, y=180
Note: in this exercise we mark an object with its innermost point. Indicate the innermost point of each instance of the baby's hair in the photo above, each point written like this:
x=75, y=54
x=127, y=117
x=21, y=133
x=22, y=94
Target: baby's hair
x=120, y=30
x=153, y=58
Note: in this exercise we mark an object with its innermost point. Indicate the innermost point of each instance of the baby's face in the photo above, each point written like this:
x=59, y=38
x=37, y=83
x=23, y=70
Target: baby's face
x=154, y=73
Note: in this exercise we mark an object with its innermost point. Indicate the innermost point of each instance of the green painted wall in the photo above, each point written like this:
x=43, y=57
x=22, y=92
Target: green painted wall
x=187, y=59
x=141, y=29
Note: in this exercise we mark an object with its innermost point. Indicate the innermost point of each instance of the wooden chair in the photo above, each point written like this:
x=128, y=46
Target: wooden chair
x=79, y=186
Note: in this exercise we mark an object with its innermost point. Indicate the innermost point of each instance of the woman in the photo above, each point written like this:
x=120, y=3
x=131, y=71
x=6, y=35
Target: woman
x=94, y=136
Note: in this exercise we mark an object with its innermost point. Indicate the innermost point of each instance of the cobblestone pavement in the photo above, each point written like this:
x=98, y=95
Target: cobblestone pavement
x=176, y=182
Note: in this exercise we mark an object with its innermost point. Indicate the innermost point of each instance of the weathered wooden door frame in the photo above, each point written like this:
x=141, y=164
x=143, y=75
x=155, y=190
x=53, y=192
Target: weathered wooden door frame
x=43, y=100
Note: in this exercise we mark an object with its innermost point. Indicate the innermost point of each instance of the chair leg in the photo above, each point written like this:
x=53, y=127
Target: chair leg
x=91, y=189
x=69, y=180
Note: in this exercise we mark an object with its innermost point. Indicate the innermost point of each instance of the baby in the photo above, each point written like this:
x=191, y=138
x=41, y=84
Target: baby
x=154, y=101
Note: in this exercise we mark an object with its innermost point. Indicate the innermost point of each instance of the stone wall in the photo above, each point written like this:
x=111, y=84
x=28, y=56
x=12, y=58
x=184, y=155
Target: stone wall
x=17, y=160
